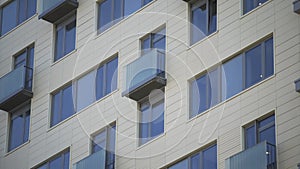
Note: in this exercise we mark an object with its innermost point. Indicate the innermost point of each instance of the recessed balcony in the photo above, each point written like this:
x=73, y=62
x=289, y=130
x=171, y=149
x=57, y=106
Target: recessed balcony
x=53, y=10
x=15, y=88
x=145, y=74
x=260, y=156
x=93, y=161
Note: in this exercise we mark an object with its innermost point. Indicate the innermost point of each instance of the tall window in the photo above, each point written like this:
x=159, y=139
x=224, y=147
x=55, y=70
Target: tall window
x=105, y=140
x=14, y=13
x=97, y=84
x=205, y=159
x=25, y=59
x=19, y=127
x=231, y=77
x=203, y=19
x=259, y=131
x=249, y=5
x=65, y=37
x=112, y=11
x=151, y=118
x=60, y=161
x=62, y=105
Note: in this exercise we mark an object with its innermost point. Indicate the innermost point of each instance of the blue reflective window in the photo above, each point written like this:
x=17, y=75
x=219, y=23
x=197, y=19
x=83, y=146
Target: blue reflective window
x=65, y=37
x=253, y=66
x=15, y=13
x=105, y=140
x=60, y=161
x=111, y=12
x=85, y=91
x=205, y=159
x=155, y=40
x=210, y=158
x=232, y=77
x=250, y=136
x=107, y=78
x=19, y=127
x=62, y=105
x=249, y=5
x=259, y=131
x=151, y=119
x=203, y=19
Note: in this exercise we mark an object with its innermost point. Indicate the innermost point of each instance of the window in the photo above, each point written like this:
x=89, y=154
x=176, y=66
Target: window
x=19, y=127
x=25, y=59
x=154, y=40
x=14, y=13
x=249, y=5
x=62, y=105
x=97, y=84
x=259, y=131
x=205, y=159
x=65, y=37
x=203, y=19
x=105, y=140
x=60, y=161
x=112, y=11
x=231, y=77
x=151, y=118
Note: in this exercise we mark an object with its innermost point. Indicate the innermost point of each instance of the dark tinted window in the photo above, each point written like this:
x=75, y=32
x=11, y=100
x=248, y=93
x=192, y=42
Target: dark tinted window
x=250, y=136
x=60, y=161
x=249, y=5
x=253, y=66
x=210, y=158
x=269, y=60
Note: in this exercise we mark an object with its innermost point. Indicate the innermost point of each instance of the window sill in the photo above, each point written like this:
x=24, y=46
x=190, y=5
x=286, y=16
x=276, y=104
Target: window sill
x=21, y=24
x=229, y=99
x=150, y=141
x=202, y=40
x=17, y=148
x=99, y=34
x=255, y=9
x=64, y=57
x=79, y=112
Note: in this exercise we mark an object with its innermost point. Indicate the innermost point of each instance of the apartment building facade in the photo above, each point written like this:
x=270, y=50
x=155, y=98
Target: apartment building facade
x=160, y=84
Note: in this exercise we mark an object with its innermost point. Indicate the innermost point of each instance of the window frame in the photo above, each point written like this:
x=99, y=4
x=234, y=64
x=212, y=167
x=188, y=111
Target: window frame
x=70, y=18
x=221, y=73
x=258, y=129
x=23, y=110
x=60, y=93
x=18, y=22
x=113, y=20
x=150, y=115
x=106, y=130
x=194, y=4
x=60, y=154
x=197, y=152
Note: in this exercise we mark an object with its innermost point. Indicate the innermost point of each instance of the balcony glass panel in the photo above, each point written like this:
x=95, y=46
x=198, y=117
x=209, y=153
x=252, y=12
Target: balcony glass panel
x=144, y=69
x=94, y=161
x=260, y=156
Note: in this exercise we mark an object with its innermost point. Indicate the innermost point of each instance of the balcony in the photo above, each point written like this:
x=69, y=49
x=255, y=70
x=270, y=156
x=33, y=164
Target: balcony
x=94, y=161
x=145, y=74
x=15, y=88
x=260, y=156
x=53, y=10
x=297, y=85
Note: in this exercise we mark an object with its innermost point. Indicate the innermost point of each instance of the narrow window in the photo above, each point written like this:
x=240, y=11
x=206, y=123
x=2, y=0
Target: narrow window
x=151, y=118
x=65, y=38
x=105, y=141
x=203, y=19
x=19, y=127
x=62, y=105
